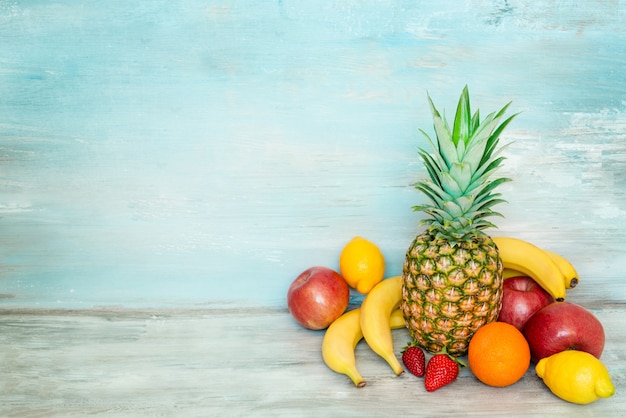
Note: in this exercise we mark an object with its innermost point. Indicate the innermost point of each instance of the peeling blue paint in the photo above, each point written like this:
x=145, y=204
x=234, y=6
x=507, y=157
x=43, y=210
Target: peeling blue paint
x=159, y=153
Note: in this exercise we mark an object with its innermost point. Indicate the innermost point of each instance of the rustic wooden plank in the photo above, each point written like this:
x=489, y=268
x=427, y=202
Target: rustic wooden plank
x=191, y=158
x=241, y=362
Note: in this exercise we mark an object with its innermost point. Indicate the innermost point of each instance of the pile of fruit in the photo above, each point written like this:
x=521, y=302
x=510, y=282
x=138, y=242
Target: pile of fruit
x=500, y=301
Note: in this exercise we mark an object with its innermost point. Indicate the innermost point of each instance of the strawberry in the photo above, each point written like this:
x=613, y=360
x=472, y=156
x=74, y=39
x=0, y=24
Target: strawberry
x=441, y=370
x=414, y=359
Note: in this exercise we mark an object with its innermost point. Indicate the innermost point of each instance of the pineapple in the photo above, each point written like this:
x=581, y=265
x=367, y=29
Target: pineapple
x=452, y=273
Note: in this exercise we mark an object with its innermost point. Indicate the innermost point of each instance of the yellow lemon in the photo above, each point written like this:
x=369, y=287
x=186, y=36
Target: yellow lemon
x=362, y=264
x=575, y=376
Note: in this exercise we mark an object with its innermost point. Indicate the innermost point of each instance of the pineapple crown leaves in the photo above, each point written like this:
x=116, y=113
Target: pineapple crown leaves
x=459, y=185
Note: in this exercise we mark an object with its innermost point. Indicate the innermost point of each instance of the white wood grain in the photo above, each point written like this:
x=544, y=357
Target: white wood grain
x=241, y=362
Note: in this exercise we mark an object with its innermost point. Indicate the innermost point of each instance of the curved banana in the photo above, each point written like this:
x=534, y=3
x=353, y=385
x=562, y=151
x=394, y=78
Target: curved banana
x=397, y=319
x=507, y=273
x=341, y=338
x=569, y=272
x=570, y=275
x=376, y=311
x=531, y=260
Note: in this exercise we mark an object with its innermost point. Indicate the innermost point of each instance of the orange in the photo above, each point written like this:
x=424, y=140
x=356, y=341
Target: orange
x=498, y=354
x=362, y=264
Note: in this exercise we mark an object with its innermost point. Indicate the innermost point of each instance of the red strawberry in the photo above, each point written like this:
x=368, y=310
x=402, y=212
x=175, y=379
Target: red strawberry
x=414, y=359
x=441, y=370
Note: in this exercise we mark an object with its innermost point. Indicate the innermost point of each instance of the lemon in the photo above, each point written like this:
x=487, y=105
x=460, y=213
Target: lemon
x=575, y=376
x=362, y=264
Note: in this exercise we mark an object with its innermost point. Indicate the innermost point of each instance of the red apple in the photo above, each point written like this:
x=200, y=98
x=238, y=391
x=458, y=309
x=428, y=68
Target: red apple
x=317, y=297
x=521, y=298
x=563, y=326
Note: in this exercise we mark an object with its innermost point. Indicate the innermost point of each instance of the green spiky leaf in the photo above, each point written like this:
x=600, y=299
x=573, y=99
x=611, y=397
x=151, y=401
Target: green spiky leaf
x=460, y=169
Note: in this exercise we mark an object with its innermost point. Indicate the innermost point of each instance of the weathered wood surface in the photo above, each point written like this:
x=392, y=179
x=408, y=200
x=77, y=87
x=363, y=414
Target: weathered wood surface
x=190, y=158
x=242, y=363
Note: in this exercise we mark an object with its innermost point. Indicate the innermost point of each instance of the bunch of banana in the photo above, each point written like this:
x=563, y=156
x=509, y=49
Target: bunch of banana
x=374, y=320
x=550, y=270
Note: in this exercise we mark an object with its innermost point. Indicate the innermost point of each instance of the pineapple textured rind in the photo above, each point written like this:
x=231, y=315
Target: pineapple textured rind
x=446, y=301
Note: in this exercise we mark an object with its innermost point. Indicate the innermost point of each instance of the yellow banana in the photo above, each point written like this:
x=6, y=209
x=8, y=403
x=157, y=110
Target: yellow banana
x=527, y=258
x=341, y=338
x=570, y=275
x=508, y=273
x=397, y=319
x=376, y=311
x=569, y=272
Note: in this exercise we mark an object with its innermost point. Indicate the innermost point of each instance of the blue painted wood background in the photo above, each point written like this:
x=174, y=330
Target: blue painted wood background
x=194, y=153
